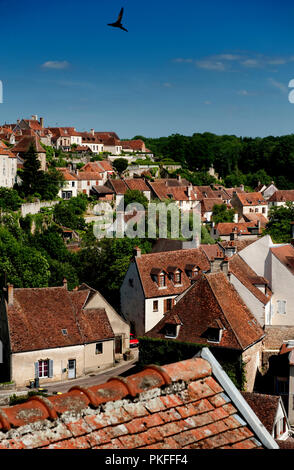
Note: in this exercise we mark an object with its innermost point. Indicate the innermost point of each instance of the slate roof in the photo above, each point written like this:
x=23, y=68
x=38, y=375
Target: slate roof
x=38, y=315
x=177, y=406
x=212, y=298
x=181, y=258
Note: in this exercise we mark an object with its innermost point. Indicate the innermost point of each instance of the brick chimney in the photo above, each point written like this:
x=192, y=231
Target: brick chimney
x=42, y=122
x=65, y=283
x=92, y=131
x=10, y=294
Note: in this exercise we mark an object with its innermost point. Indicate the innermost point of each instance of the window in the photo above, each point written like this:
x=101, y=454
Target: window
x=263, y=210
x=72, y=183
x=281, y=304
x=169, y=304
x=99, y=348
x=178, y=277
x=155, y=305
x=170, y=330
x=213, y=335
x=43, y=368
x=162, y=280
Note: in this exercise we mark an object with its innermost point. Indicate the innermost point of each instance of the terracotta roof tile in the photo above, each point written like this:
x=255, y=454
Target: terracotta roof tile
x=181, y=258
x=251, y=199
x=286, y=195
x=38, y=316
x=240, y=228
x=285, y=255
x=187, y=413
x=211, y=298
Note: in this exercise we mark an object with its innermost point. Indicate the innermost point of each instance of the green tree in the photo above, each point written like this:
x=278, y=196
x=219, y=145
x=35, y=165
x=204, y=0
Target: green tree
x=131, y=196
x=120, y=165
x=32, y=173
x=280, y=222
x=221, y=213
x=9, y=199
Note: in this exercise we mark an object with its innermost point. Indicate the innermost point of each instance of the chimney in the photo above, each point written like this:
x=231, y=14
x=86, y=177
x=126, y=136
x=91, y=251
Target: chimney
x=65, y=283
x=137, y=252
x=179, y=178
x=10, y=294
x=42, y=122
x=34, y=117
x=225, y=266
x=92, y=131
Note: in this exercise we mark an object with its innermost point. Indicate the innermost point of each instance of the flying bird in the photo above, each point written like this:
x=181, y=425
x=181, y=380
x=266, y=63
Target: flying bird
x=118, y=24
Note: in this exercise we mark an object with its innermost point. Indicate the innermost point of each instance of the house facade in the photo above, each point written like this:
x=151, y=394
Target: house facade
x=52, y=334
x=153, y=281
x=8, y=167
x=245, y=203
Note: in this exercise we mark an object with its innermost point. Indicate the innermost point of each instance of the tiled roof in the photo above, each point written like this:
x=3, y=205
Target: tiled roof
x=105, y=165
x=264, y=406
x=249, y=278
x=181, y=258
x=251, y=199
x=38, y=315
x=255, y=217
x=137, y=184
x=67, y=174
x=212, y=298
x=204, y=192
x=92, y=167
x=177, y=406
x=285, y=254
x=136, y=144
x=118, y=186
x=88, y=175
x=240, y=228
x=24, y=144
x=177, y=193
x=212, y=251
x=207, y=204
x=239, y=244
x=282, y=196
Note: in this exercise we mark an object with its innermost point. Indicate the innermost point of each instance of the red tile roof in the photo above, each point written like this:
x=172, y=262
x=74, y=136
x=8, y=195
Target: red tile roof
x=207, y=204
x=67, y=174
x=188, y=409
x=212, y=298
x=240, y=228
x=285, y=254
x=24, y=144
x=118, y=186
x=162, y=260
x=282, y=196
x=38, y=315
x=178, y=193
x=249, y=278
x=88, y=175
x=137, y=184
x=251, y=199
x=264, y=406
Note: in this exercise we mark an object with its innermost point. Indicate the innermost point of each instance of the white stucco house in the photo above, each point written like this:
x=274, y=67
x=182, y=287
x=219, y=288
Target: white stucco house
x=8, y=167
x=154, y=280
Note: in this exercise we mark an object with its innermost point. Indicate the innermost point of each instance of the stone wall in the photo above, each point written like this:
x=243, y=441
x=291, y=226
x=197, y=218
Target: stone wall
x=276, y=335
x=35, y=207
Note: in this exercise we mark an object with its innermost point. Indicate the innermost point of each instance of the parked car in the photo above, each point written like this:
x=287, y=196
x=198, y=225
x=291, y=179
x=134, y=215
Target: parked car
x=134, y=342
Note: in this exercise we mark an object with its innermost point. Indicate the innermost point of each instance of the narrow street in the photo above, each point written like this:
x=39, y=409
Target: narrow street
x=89, y=380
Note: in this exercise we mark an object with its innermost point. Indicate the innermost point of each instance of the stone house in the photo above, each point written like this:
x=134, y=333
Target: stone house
x=53, y=334
x=253, y=202
x=8, y=167
x=212, y=313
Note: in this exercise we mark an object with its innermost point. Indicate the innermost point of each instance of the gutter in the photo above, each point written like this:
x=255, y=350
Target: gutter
x=242, y=406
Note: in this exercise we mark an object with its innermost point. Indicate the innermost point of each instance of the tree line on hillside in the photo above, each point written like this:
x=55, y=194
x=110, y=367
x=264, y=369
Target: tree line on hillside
x=237, y=160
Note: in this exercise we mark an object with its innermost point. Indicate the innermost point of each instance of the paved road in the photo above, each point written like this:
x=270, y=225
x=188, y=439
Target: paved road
x=89, y=380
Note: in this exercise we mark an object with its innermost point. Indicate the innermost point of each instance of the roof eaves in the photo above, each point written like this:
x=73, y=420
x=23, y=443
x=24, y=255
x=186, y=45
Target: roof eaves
x=248, y=414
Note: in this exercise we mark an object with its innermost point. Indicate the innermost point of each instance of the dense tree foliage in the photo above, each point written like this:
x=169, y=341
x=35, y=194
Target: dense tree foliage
x=237, y=160
x=280, y=222
x=9, y=199
x=70, y=213
x=120, y=164
x=220, y=213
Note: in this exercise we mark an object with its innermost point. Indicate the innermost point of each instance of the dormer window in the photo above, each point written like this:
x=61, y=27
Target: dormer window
x=162, y=280
x=175, y=274
x=192, y=271
x=178, y=277
x=170, y=330
x=158, y=276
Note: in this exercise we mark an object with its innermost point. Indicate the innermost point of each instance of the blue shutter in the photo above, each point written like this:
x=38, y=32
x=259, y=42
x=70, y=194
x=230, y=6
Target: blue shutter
x=36, y=370
x=50, y=368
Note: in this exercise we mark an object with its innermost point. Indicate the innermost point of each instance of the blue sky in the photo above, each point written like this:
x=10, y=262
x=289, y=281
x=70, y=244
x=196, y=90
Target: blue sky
x=184, y=66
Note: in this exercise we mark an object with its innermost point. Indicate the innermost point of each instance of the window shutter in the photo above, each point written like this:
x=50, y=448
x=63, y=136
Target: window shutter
x=165, y=306
x=50, y=372
x=36, y=370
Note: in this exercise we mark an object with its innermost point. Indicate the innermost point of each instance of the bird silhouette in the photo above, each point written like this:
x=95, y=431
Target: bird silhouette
x=118, y=24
